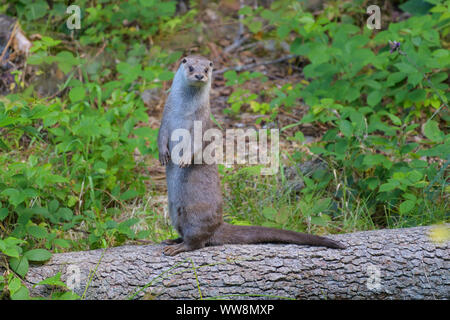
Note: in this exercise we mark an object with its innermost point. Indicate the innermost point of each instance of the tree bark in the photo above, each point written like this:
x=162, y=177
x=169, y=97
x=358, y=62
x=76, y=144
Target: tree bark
x=382, y=264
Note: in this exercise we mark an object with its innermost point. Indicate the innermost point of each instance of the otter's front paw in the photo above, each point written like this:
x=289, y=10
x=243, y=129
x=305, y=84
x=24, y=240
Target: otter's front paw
x=175, y=249
x=164, y=157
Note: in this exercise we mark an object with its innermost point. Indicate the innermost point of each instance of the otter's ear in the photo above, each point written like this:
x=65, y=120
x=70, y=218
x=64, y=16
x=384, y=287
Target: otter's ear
x=184, y=60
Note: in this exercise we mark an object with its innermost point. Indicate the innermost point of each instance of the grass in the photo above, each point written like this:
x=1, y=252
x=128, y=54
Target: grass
x=247, y=198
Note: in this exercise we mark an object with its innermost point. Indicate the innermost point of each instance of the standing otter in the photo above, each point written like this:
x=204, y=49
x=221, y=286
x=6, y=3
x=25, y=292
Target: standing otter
x=195, y=199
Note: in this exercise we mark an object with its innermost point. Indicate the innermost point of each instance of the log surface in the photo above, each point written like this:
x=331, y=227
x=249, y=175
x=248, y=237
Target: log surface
x=382, y=264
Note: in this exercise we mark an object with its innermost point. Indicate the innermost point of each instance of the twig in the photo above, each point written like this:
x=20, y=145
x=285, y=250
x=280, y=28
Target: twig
x=287, y=114
x=99, y=51
x=9, y=40
x=79, y=70
x=253, y=65
x=240, y=36
x=240, y=39
x=249, y=45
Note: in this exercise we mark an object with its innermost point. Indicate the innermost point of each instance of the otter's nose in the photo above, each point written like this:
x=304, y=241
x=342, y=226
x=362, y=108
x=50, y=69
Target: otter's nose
x=199, y=76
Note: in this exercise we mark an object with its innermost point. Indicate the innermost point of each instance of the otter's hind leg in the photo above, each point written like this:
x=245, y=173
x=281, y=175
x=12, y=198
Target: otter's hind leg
x=196, y=223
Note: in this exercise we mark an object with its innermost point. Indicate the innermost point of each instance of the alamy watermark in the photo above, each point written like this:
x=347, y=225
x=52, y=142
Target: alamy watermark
x=374, y=21
x=73, y=277
x=207, y=148
x=374, y=280
x=74, y=21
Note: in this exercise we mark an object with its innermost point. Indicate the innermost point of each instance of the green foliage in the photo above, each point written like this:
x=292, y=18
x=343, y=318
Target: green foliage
x=372, y=100
x=90, y=164
x=241, y=96
x=72, y=163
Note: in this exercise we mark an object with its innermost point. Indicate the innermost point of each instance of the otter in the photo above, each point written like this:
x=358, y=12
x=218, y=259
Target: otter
x=194, y=193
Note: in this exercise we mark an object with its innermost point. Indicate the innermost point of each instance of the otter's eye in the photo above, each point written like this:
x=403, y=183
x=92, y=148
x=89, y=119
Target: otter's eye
x=191, y=68
x=206, y=70
x=210, y=64
x=184, y=61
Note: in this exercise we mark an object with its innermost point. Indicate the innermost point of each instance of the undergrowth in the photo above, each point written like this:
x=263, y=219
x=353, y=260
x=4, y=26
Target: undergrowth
x=74, y=165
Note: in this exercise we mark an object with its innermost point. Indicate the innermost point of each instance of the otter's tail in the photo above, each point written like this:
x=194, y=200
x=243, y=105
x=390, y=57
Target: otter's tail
x=234, y=234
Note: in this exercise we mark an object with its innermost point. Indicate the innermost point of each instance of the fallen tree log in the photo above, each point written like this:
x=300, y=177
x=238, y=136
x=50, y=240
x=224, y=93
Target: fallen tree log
x=382, y=264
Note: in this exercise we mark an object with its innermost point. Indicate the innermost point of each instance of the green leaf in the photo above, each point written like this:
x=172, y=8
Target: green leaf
x=35, y=10
x=246, y=10
x=283, y=215
x=37, y=58
x=321, y=205
x=299, y=136
x=346, y=128
x=415, y=78
x=410, y=196
x=38, y=255
x=269, y=213
x=72, y=201
x=53, y=206
x=395, y=120
x=372, y=160
x=11, y=251
x=3, y=213
x=128, y=223
x=52, y=281
x=317, y=150
x=37, y=232
x=54, y=178
x=61, y=243
x=69, y=295
x=231, y=76
x=111, y=224
x=417, y=95
x=15, y=196
x=416, y=7
x=321, y=220
x=14, y=284
x=124, y=227
x=21, y=293
x=255, y=26
x=405, y=67
x=144, y=234
x=395, y=77
x=19, y=265
x=76, y=94
x=283, y=31
x=3, y=145
x=66, y=61
x=406, y=206
x=65, y=213
x=24, y=216
x=11, y=241
x=129, y=194
x=352, y=94
x=388, y=186
x=414, y=176
x=144, y=132
x=372, y=183
x=374, y=98
x=432, y=132
x=165, y=75
x=297, y=47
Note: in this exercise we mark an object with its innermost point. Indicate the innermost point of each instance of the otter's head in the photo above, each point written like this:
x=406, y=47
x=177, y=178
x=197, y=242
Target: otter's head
x=197, y=70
